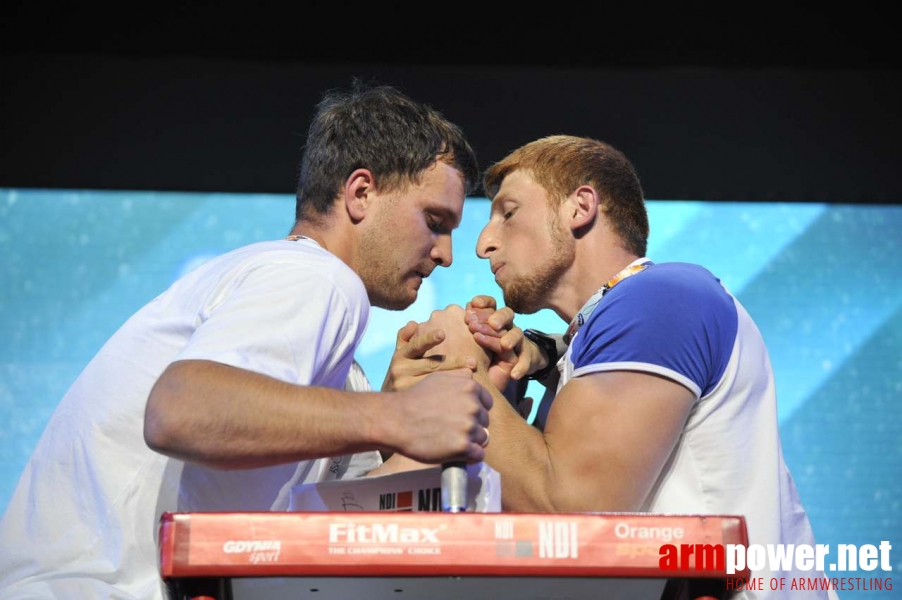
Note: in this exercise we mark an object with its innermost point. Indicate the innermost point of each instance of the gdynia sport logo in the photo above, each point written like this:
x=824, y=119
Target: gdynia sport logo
x=849, y=561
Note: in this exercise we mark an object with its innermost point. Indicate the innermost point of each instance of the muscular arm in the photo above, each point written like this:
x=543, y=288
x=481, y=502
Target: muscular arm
x=226, y=417
x=607, y=438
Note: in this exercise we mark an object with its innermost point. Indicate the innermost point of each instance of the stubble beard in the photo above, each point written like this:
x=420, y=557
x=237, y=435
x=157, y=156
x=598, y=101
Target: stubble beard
x=383, y=281
x=530, y=293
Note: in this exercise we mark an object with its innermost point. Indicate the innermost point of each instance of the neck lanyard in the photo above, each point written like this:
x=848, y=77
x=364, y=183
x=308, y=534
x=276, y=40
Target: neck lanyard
x=583, y=315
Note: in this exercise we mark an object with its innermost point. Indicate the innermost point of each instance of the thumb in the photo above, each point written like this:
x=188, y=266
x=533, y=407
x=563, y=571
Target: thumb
x=405, y=333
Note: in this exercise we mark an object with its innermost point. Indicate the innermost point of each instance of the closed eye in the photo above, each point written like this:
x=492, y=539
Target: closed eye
x=435, y=225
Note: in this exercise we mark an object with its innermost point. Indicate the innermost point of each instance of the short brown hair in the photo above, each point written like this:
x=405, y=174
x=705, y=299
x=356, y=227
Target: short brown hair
x=381, y=129
x=562, y=163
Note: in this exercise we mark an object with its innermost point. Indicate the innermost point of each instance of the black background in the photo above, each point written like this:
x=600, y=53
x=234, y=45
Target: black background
x=711, y=102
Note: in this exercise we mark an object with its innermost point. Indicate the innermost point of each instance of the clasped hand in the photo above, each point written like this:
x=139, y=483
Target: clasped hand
x=479, y=337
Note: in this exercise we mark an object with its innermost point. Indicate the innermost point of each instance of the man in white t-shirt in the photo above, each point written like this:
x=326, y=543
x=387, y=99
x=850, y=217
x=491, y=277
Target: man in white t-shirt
x=232, y=386
x=665, y=401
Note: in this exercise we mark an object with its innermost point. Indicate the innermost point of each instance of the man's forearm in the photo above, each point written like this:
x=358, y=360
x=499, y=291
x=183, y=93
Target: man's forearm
x=225, y=417
x=520, y=455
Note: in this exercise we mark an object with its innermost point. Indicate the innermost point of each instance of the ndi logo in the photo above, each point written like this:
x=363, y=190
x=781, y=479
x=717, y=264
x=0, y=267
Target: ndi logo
x=558, y=539
x=396, y=501
x=428, y=500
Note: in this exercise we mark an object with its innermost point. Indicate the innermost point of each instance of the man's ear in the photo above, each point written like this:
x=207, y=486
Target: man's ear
x=582, y=208
x=359, y=192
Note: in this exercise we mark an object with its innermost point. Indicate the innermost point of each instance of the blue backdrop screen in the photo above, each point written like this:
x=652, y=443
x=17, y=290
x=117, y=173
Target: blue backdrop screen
x=823, y=282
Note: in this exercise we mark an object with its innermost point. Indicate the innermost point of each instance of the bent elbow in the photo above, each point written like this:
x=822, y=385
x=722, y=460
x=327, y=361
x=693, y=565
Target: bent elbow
x=157, y=432
x=161, y=419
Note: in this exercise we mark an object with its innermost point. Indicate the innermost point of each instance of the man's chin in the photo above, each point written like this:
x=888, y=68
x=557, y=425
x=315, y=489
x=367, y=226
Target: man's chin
x=394, y=301
x=393, y=304
x=520, y=303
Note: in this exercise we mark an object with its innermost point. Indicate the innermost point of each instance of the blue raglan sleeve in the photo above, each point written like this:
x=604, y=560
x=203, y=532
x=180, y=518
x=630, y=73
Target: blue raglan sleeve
x=673, y=319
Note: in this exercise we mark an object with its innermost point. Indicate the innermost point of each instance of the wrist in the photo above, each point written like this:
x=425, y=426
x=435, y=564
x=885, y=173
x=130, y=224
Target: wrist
x=384, y=420
x=546, y=348
x=538, y=360
x=484, y=378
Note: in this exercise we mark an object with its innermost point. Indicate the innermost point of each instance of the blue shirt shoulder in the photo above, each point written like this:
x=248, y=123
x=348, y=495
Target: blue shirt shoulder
x=676, y=316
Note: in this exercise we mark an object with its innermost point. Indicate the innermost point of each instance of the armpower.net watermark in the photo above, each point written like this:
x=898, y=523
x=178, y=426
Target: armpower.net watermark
x=847, y=563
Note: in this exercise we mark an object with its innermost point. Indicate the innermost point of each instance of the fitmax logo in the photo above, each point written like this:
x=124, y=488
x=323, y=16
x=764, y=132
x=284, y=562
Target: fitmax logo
x=381, y=534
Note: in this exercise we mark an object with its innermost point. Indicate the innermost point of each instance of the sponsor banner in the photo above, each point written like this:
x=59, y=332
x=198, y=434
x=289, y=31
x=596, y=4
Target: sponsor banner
x=429, y=543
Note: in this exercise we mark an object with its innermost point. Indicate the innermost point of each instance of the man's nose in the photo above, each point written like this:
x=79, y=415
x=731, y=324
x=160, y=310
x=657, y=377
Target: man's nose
x=485, y=244
x=441, y=252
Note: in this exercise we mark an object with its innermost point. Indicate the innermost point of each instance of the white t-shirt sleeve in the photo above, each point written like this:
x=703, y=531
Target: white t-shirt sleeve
x=285, y=320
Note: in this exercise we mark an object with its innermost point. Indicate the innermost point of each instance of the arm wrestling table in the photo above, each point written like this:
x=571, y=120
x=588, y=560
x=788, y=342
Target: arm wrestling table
x=440, y=556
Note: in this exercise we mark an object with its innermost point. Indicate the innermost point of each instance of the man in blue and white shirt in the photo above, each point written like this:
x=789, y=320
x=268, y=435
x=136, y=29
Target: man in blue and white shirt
x=666, y=400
